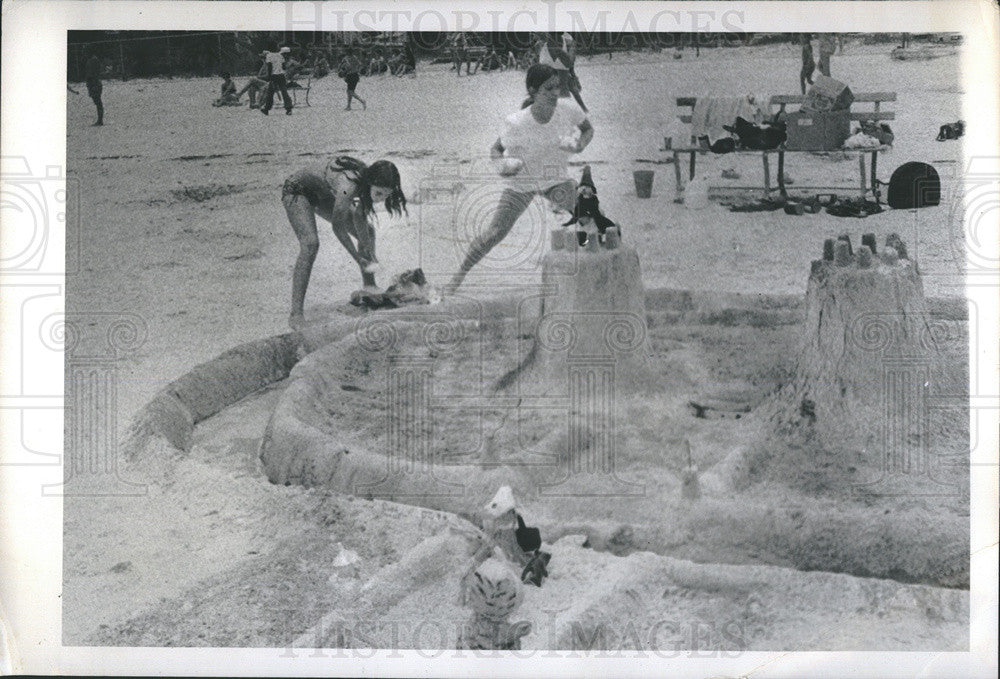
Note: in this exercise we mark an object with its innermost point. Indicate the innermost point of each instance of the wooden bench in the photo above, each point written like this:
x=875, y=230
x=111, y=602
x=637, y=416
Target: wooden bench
x=782, y=101
x=301, y=85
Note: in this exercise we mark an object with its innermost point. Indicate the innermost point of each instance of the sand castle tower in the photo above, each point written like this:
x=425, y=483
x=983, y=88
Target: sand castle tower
x=590, y=348
x=591, y=326
x=866, y=362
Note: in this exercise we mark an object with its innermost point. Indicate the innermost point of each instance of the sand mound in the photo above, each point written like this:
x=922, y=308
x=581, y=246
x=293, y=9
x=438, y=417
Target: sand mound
x=644, y=602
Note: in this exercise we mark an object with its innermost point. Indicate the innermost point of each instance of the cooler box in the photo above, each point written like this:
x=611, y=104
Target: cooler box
x=811, y=131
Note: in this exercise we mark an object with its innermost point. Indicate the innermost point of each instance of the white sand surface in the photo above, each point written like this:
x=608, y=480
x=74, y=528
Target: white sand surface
x=206, y=275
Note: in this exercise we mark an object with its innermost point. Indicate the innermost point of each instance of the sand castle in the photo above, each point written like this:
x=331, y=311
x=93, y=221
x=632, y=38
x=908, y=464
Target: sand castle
x=867, y=335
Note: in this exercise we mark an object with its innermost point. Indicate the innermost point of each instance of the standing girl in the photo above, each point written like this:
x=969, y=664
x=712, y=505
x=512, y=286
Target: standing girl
x=344, y=193
x=350, y=71
x=533, y=153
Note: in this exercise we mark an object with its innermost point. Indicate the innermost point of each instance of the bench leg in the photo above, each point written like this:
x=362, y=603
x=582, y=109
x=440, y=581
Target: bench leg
x=767, y=172
x=861, y=170
x=693, y=154
x=874, y=175
x=781, y=175
x=677, y=170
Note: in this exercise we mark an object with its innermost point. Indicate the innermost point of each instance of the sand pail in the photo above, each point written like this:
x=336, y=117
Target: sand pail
x=643, y=183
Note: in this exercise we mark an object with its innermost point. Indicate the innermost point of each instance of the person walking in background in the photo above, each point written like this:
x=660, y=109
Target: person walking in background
x=350, y=71
x=561, y=56
x=573, y=82
x=409, y=60
x=808, y=63
x=827, y=48
x=274, y=62
x=460, y=53
x=92, y=73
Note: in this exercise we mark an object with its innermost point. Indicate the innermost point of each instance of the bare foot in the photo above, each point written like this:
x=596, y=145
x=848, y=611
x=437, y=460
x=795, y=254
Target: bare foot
x=296, y=321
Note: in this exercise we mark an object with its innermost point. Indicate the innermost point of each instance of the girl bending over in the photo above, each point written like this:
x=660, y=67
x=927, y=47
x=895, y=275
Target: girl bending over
x=343, y=193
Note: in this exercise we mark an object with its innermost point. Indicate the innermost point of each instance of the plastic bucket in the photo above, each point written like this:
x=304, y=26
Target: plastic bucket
x=643, y=183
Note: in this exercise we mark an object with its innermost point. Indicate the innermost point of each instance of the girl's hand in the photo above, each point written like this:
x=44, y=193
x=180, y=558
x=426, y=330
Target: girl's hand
x=508, y=167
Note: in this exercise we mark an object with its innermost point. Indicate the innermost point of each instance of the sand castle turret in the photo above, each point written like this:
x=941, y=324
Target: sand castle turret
x=864, y=363
x=592, y=318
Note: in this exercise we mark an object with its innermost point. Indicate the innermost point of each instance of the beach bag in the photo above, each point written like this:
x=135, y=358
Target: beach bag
x=914, y=185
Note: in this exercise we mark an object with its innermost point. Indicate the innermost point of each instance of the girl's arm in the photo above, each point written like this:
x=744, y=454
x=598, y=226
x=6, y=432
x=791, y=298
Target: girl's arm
x=507, y=167
x=340, y=220
x=586, y=134
x=366, y=237
x=342, y=217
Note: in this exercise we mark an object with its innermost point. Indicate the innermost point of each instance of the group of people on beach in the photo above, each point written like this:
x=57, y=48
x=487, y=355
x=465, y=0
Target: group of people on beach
x=531, y=156
x=278, y=73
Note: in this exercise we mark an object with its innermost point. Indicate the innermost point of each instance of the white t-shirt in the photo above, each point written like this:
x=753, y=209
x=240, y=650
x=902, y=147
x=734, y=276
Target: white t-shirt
x=537, y=145
x=277, y=62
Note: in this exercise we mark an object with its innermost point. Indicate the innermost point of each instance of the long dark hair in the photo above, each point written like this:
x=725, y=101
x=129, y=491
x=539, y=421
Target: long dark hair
x=381, y=173
x=538, y=75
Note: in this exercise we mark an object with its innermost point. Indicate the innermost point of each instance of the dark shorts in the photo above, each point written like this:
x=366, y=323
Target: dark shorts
x=352, y=81
x=94, y=88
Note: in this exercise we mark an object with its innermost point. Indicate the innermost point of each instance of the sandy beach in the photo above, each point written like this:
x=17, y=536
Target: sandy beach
x=181, y=225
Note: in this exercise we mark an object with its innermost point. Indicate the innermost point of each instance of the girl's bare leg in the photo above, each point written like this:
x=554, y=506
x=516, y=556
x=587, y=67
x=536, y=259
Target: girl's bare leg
x=563, y=195
x=302, y=217
x=511, y=206
x=366, y=249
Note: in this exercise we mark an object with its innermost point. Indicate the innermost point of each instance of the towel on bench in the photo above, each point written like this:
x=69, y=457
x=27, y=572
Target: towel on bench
x=711, y=113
